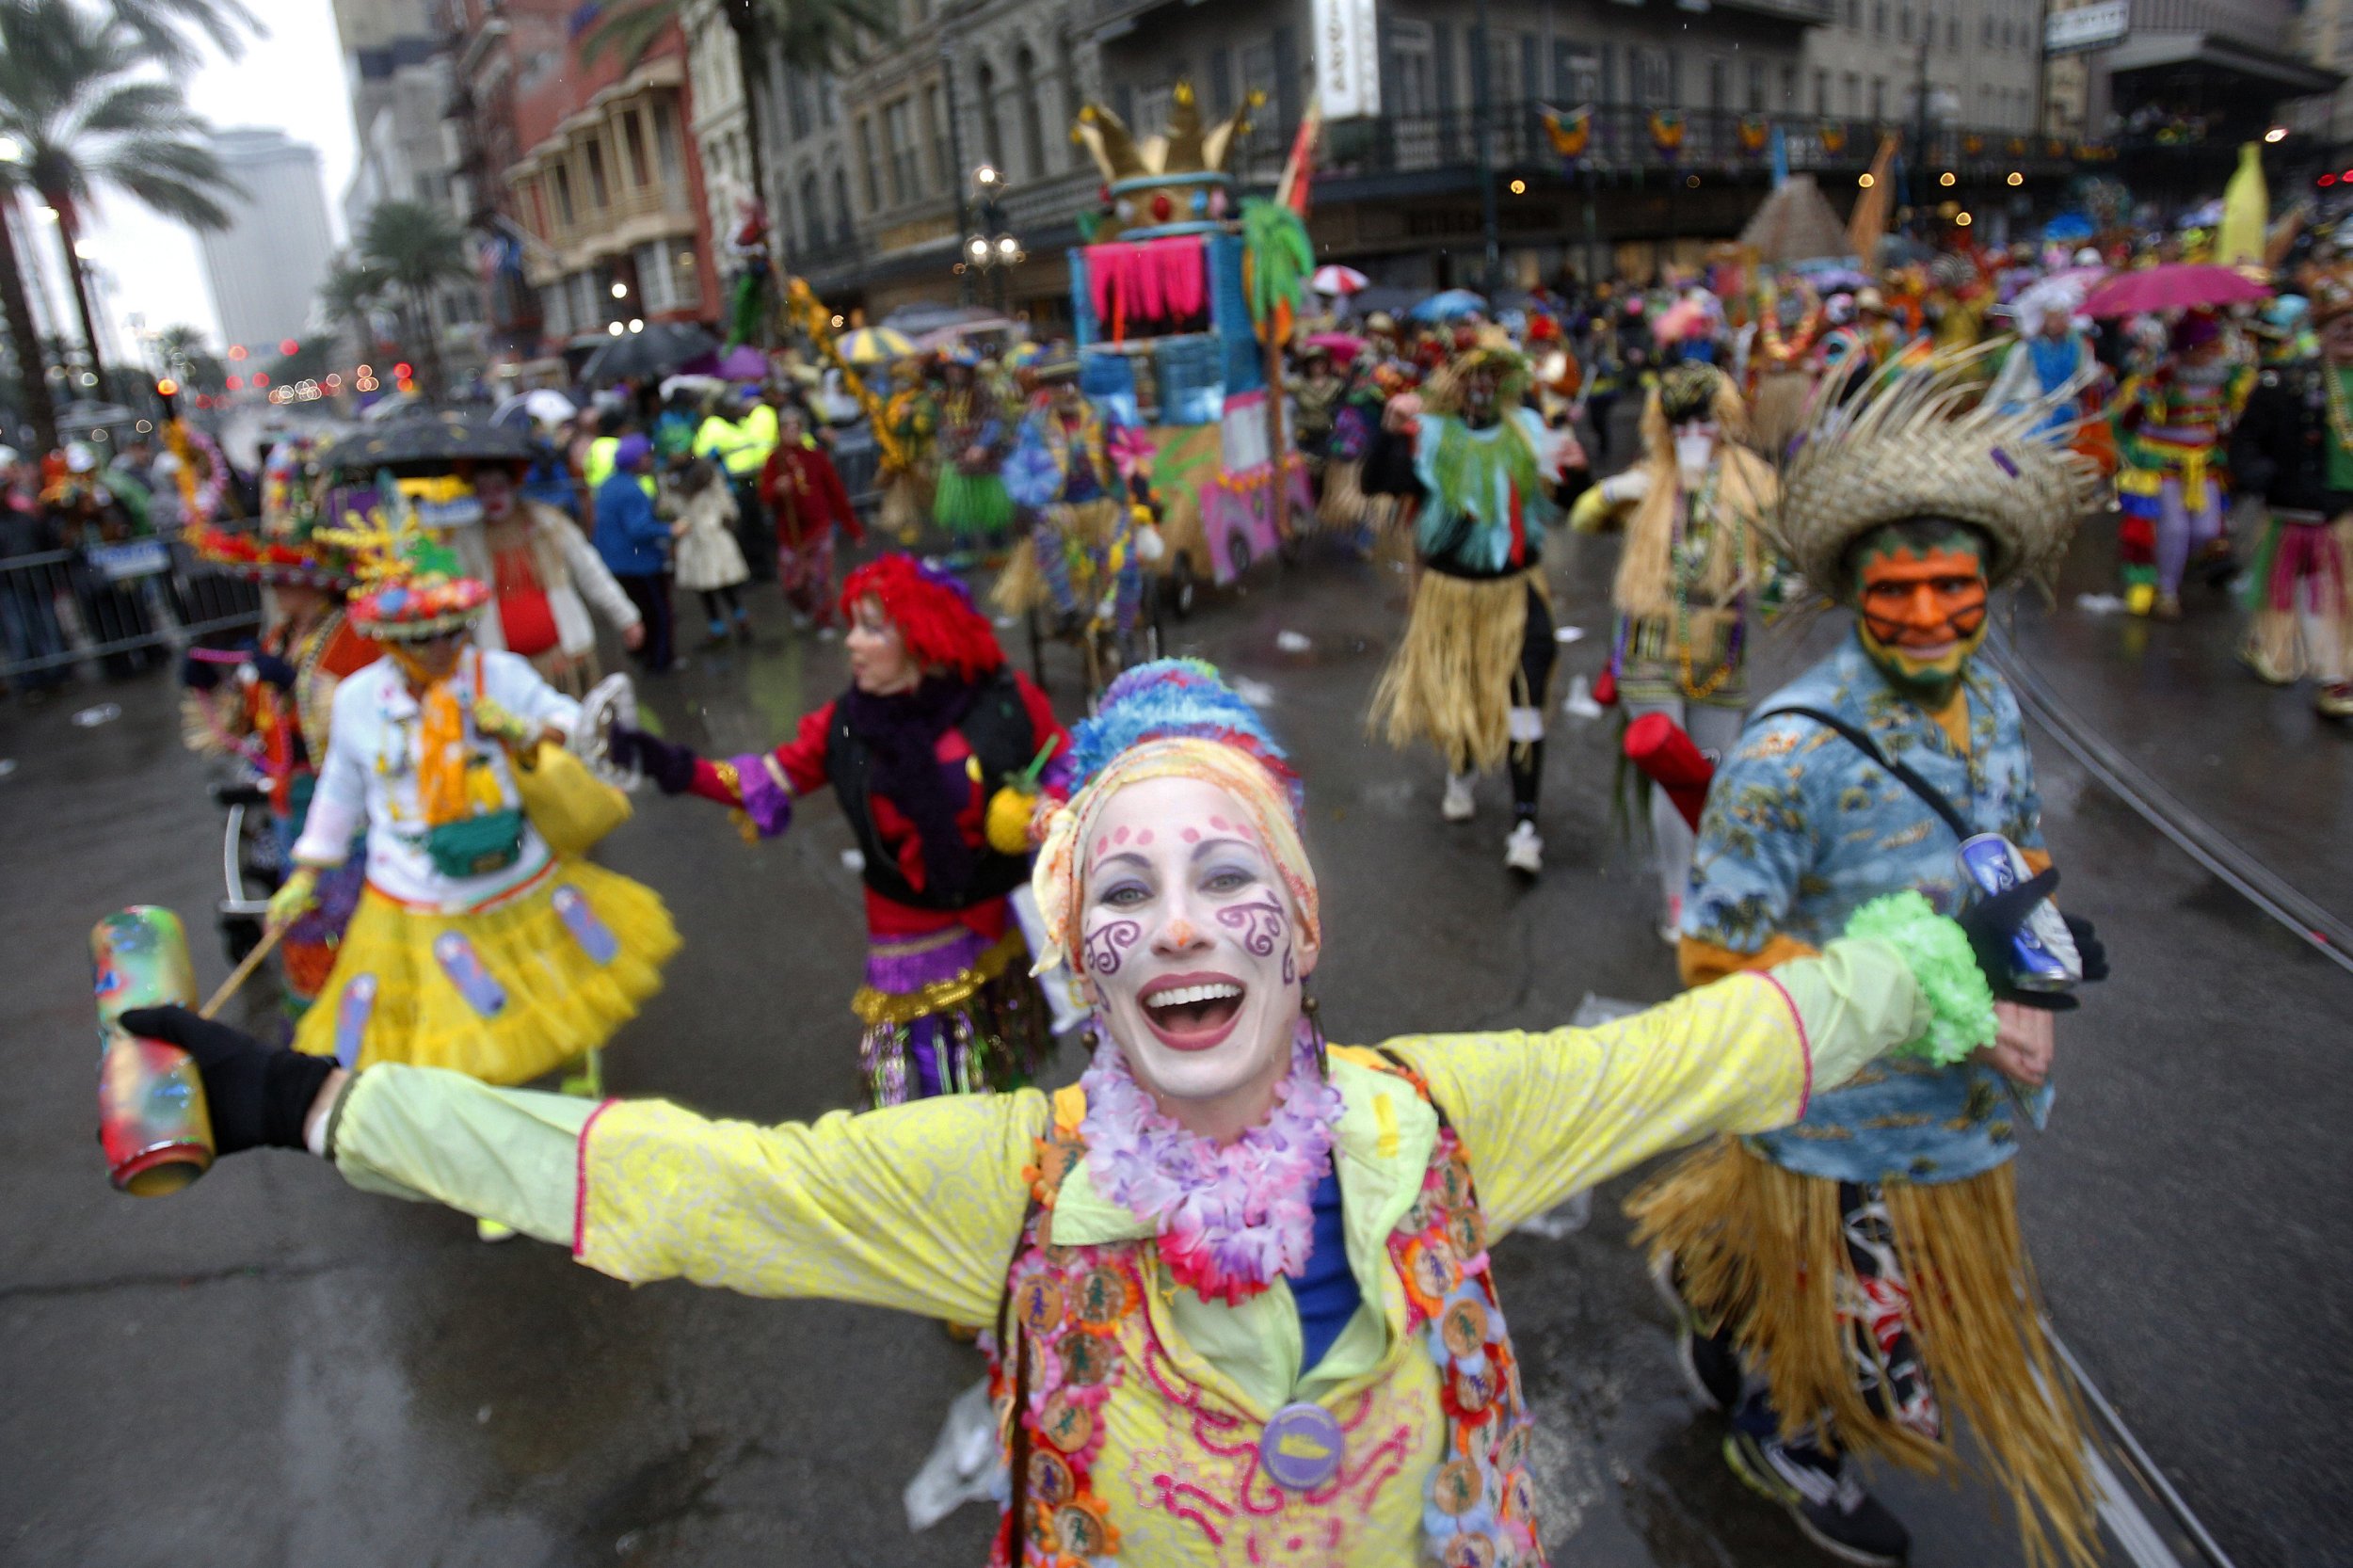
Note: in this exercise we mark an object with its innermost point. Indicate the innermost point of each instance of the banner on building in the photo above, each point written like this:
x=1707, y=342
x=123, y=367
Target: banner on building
x=1347, y=58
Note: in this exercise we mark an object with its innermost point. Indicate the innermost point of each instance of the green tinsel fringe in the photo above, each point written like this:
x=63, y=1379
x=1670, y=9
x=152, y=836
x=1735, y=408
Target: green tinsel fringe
x=1961, y=1004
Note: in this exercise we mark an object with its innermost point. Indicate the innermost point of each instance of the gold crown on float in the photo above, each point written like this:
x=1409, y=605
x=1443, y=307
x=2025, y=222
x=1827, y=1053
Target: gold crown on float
x=1183, y=148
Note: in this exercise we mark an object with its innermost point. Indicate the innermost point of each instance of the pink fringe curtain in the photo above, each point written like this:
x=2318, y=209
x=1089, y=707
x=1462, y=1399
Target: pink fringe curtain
x=1146, y=281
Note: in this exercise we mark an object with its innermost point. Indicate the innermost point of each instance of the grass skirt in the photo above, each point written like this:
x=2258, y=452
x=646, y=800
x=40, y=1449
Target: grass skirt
x=950, y=1012
x=906, y=499
x=503, y=994
x=1750, y=1238
x=972, y=505
x=1456, y=677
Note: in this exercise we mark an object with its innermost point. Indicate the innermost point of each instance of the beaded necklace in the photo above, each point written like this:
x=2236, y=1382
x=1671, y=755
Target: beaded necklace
x=1686, y=574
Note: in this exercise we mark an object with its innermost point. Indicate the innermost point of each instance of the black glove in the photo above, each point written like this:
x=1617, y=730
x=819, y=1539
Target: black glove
x=259, y=1095
x=671, y=767
x=2088, y=947
x=1991, y=923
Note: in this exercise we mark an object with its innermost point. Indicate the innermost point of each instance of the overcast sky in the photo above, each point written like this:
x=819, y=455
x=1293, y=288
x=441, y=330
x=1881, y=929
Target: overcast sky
x=292, y=80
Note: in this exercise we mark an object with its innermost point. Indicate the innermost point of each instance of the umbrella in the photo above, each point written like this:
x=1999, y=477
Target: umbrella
x=662, y=348
x=1449, y=305
x=1340, y=345
x=2068, y=228
x=424, y=439
x=2173, y=286
x=743, y=363
x=871, y=345
x=1794, y=224
x=540, y=406
x=694, y=386
x=1338, y=280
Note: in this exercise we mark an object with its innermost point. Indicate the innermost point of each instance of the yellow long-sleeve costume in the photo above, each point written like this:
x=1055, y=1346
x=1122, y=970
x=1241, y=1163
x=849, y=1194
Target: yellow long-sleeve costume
x=917, y=1207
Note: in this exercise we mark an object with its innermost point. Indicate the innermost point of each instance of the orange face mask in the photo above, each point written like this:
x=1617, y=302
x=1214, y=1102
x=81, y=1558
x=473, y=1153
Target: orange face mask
x=1921, y=610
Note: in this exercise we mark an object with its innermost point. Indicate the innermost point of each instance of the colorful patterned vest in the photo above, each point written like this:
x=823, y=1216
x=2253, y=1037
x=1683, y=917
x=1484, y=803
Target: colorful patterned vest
x=1073, y=1328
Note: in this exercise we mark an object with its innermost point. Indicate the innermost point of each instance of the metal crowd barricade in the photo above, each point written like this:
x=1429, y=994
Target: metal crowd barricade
x=112, y=604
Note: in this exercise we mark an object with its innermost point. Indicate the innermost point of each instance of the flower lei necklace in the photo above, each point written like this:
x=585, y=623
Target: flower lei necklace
x=1228, y=1219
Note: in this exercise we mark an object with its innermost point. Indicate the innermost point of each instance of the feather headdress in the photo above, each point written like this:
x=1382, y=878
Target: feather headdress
x=1920, y=442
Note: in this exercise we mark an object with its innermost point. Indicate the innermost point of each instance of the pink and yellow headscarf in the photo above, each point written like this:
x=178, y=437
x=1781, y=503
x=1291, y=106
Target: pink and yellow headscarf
x=1172, y=718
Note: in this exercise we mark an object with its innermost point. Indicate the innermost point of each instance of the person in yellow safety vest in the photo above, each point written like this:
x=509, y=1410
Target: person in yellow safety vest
x=740, y=441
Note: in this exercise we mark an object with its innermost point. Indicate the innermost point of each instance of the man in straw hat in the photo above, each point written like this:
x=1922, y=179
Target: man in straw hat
x=1864, y=776
x=2295, y=447
x=1471, y=674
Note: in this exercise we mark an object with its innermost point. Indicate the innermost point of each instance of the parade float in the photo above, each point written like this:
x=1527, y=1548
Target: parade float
x=1183, y=295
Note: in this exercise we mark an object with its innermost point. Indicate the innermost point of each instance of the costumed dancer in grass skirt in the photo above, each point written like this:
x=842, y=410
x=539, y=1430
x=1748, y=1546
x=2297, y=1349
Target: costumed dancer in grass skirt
x=974, y=436
x=269, y=699
x=2294, y=447
x=1231, y=1253
x=934, y=755
x=1472, y=672
x=2172, y=433
x=909, y=483
x=1695, y=568
x=1079, y=559
x=476, y=947
x=1856, y=1284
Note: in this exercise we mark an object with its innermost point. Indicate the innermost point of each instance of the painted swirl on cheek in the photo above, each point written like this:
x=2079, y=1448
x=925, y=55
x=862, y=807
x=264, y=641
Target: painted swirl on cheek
x=1258, y=924
x=1107, y=941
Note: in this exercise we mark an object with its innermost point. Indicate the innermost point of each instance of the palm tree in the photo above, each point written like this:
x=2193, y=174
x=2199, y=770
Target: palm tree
x=349, y=296
x=815, y=37
x=168, y=29
x=80, y=109
x=415, y=248
x=186, y=356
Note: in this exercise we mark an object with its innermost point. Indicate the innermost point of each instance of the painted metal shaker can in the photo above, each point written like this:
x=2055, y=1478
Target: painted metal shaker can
x=2044, y=955
x=153, y=1121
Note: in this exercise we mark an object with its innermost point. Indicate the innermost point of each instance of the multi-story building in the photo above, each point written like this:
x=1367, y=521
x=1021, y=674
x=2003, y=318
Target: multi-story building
x=583, y=178
x=1585, y=137
x=264, y=269
x=399, y=80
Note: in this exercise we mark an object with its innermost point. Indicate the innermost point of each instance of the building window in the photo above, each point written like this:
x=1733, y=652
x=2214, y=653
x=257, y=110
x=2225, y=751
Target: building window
x=906, y=176
x=812, y=212
x=1718, y=86
x=634, y=145
x=599, y=193
x=935, y=136
x=992, y=140
x=1854, y=13
x=1654, y=84
x=1412, y=63
x=843, y=233
x=1067, y=70
x=1879, y=98
x=1952, y=30
x=1854, y=93
x=1879, y=18
x=563, y=217
x=871, y=169
x=1821, y=93
x=796, y=102
x=555, y=314
x=1575, y=75
x=666, y=153
x=1032, y=121
x=1258, y=73
x=1221, y=83
x=1789, y=87
x=1756, y=86
x=1904, y=19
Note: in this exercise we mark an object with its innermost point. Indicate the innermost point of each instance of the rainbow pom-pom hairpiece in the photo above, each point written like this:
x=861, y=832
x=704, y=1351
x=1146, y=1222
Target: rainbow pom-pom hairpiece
x=1170, y=698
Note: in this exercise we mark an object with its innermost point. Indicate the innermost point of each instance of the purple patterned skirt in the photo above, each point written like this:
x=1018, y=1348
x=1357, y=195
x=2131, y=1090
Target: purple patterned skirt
x=949, y=1013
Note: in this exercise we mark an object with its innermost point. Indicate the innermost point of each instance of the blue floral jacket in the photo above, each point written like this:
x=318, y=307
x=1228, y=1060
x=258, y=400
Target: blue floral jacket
x=1801, y=830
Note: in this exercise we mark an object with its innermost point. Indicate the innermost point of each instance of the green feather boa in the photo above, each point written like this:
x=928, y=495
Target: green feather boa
x=1961, y=1004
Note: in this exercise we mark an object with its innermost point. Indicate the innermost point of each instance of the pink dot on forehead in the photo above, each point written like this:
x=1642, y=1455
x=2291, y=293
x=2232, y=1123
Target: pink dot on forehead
x=1120, y=837
x=1221, y=824
x=1192, y=835
x=1143, y=836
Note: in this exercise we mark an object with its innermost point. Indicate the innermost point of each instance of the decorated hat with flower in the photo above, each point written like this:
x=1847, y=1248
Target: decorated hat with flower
x=410, y=586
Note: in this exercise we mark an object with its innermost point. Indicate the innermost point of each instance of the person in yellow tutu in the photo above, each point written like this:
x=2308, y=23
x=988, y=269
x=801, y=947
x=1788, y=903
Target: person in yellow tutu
x=475, y=946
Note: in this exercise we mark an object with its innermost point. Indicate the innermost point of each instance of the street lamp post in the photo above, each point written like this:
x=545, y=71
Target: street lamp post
x=988, y=247
x=956, y=161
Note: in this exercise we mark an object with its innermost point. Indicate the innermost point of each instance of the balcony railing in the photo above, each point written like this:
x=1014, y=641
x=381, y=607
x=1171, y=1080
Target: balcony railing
x=2250, y=22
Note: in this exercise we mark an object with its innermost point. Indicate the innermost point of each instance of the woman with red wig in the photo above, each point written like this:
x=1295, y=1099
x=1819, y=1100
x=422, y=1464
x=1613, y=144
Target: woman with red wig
x=933, y=752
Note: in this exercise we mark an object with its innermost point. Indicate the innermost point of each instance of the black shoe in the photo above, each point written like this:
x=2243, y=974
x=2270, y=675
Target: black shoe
x=1828, y=1504
x=1711, y=1368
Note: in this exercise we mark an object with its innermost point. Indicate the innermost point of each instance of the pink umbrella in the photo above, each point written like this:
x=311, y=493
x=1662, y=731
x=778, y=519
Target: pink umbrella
x=1339, y=280
x=1340, y=345
x=2173, y=286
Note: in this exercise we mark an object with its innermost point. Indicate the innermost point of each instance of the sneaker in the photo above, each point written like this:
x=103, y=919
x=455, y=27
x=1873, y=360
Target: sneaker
x=2335, y=700
x=1458, y=805
x=1524, y=851
x=490, y=1230
x=2168, y=607
x=2259, y=663
x=1710, y=1368
x=1828, y=1504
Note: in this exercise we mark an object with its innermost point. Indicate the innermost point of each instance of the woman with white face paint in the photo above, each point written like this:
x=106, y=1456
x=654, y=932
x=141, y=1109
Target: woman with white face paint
x=1694, y=565
x=1238, y=1256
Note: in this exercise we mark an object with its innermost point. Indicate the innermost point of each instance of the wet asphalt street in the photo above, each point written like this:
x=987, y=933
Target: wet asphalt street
x=273, y=1369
